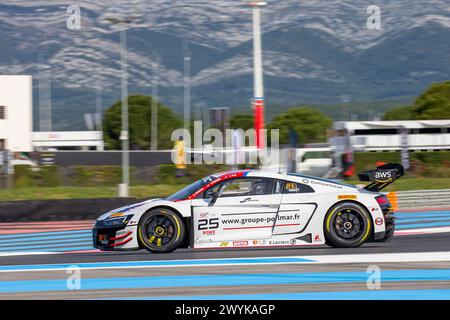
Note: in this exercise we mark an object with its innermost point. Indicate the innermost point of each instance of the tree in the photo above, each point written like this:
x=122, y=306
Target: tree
x=309, y=124
x=139, y=107
x=242, y=121
x=433, y=103
x=400, y=113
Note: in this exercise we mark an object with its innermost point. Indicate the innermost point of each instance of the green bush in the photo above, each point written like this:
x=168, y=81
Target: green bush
x=23, y=177
x=47, y=176
x=76, y=176
x=437, y=158
x=166, y=175
x=84, y=176
x=50, y=176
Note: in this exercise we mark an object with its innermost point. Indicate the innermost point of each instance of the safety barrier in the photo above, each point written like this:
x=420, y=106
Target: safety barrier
x=419, y=199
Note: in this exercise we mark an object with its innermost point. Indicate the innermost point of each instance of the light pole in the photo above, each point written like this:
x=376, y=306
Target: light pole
x=45, y=96
x=258, y=99
x=98, y=115
x=154, y=111
x=187, y=87
x=346, y=99
x=124, y=135
x=123, y=190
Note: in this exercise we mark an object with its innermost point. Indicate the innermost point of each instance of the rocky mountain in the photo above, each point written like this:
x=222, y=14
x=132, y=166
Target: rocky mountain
x=314, y=51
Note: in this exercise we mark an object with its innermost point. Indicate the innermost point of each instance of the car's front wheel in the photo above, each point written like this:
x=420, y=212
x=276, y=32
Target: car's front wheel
x=347, y=224
x=161, y=231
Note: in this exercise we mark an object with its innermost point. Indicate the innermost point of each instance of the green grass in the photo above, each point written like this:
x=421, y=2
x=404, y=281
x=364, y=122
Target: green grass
x=144, y=191
x=151, y=191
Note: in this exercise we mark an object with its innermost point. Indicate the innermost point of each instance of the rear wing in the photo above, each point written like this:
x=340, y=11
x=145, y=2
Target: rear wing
x=382, y=176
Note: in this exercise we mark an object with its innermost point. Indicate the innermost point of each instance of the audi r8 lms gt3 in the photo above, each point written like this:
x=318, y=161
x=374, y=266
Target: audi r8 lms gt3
x=255, y=209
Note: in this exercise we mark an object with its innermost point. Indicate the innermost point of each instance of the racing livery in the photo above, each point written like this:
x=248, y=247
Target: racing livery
x=255, y=209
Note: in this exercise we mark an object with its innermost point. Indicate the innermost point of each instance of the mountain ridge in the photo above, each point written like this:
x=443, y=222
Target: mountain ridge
x=314, y=51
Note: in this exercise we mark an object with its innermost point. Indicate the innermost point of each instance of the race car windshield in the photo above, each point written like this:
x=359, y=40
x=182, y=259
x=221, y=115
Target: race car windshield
x=190, y=189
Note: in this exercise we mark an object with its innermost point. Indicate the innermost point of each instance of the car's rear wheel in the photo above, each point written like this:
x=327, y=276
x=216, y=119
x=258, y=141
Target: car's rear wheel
x=161, y=231
x=347, y=224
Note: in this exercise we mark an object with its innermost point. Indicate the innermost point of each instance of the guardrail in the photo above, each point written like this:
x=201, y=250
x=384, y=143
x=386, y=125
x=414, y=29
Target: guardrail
x=419, y=199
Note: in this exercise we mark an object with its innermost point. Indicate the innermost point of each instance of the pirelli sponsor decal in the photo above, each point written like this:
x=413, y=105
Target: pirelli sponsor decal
x=347, y=197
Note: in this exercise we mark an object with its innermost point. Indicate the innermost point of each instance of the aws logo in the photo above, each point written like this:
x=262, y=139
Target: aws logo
x=383, y=176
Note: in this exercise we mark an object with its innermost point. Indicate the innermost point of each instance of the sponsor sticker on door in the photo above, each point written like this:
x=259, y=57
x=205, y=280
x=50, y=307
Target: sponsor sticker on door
x=240, y=243
x=347, y=197
x=379, y=221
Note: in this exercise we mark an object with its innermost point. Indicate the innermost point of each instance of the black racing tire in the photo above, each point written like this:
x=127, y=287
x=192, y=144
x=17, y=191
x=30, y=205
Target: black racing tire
x=347, y=225
x=161, y=230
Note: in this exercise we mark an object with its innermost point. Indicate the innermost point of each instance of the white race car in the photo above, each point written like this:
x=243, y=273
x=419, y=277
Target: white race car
x=255, y=209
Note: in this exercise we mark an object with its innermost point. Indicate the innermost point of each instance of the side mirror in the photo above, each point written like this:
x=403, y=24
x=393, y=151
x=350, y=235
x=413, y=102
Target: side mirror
x=214, y=196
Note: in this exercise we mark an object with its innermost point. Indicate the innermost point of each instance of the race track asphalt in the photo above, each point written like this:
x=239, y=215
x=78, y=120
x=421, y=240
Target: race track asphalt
x=411, y=267
x=402, y=244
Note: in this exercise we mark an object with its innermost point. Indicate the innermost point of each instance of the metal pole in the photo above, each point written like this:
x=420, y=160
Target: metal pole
x=187, y=92
x=346, y=99
x=98, y=106
x=124, y=190
x=258, y=102
x=45, y=97
x=154, y=111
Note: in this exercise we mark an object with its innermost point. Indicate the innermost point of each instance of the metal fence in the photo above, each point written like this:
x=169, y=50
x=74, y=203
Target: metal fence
x=420, y=199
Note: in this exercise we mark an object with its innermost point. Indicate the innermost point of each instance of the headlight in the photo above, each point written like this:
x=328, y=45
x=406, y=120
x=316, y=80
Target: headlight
x=116, y=221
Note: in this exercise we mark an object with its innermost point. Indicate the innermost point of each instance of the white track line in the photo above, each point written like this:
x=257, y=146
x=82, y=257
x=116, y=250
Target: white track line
x=324, y=259
x=422, y=231
x=29, y=253
x=382, y=257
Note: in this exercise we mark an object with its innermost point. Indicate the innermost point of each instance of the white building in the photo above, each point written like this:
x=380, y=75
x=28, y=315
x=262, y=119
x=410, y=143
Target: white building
x=16, y=112
x=388, y=135
x=68, y=140
x=16, y=122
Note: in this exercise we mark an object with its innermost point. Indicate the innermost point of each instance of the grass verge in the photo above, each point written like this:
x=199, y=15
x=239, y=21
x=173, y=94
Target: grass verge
x=144, y=191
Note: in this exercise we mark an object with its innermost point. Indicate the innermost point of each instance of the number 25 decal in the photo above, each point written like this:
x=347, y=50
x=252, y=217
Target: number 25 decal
x=208, y=224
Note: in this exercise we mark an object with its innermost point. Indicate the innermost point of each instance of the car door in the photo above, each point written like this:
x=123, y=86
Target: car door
x=238, y=209
x=296, y=209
